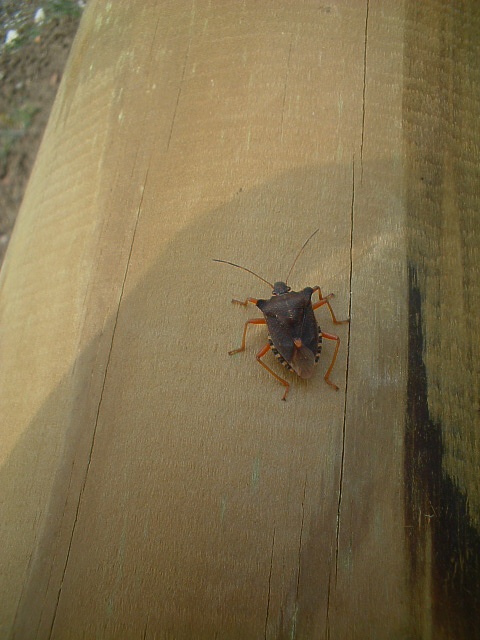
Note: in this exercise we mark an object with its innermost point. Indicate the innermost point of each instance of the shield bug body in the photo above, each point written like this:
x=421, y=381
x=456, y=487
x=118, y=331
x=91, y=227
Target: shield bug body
x=293, y=332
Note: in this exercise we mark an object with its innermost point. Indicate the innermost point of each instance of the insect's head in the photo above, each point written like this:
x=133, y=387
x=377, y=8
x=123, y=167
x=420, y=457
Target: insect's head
x=279, y=288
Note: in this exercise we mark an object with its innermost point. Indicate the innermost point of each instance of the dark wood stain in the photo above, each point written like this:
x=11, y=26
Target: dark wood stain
x=442, y=439
x=435, y=507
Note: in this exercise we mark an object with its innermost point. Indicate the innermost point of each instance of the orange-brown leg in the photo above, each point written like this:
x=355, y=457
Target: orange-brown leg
x=330, y=336
x=260, y=355
x=248, y=322
x=326, y=300
x=245, y=303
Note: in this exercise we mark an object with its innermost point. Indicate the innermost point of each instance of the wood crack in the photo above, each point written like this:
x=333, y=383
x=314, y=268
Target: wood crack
x=100, y=402
x=344, y=428
x=295, y=614
x=364, y=87
x=269, y=584
x=287, y=73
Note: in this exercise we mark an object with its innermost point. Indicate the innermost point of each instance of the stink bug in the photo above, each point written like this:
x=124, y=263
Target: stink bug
x=293, y=333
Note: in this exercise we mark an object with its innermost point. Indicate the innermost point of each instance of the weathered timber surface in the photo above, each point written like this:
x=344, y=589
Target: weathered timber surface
x=442, y=439
x=151, y=485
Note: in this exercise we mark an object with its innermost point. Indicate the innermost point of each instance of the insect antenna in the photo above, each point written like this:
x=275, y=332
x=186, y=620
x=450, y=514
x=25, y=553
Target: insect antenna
x=299, y=253
x=245, y=269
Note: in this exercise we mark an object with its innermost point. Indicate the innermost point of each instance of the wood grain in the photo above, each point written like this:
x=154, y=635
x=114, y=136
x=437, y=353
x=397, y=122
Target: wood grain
x=442, y=88
x=152, y=485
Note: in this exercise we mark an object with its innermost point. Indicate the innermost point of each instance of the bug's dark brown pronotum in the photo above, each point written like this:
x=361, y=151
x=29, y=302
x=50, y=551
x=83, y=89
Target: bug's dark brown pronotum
x=293, y=332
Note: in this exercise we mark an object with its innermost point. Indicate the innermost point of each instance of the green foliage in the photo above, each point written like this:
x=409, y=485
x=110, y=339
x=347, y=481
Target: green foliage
x=57, y=8
x=20, y=17
x=13, y=125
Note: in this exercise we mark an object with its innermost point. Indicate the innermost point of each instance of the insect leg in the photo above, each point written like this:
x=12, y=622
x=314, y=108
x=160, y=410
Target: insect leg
x=254, y=321
x=330, y=336
x=244, y=304
x=326, y=300
x=259, y=355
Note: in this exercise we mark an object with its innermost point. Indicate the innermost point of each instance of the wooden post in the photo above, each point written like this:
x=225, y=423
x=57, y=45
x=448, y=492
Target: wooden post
x=152, y=486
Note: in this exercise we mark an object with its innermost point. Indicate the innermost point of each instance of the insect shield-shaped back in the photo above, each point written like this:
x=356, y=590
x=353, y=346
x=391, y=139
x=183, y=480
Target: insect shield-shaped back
x=293, y=330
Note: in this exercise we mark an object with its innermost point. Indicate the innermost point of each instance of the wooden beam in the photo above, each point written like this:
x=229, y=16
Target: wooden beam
x=152, y=485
